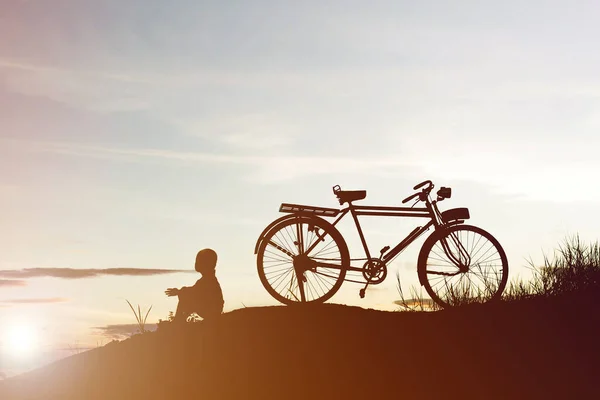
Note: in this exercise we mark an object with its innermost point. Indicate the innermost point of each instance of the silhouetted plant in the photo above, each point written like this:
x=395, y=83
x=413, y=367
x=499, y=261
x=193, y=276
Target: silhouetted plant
x=458, y=295
x=141, y=320
x=76, y=348
x=415, y=302
x=165, y=322
x=575, y=268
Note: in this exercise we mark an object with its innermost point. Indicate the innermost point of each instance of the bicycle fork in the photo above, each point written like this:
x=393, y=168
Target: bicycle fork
x=463, y=261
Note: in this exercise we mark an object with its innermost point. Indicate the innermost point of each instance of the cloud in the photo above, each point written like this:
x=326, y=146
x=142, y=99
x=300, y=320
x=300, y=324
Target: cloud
x=72, y=273
x=41, y=300
x=268, y=168
x=12, y=282
x=122, y=331
x=416, y=303
x=25, y=66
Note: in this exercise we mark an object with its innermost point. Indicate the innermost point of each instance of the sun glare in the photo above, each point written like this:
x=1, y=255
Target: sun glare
x=20, y=340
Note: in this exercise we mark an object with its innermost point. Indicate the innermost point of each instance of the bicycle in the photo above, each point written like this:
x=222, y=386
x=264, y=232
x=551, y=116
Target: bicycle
x=303, y=258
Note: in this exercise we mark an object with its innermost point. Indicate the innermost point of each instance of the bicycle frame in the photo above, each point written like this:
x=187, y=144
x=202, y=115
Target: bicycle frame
x=383, y=211
x=436, y=219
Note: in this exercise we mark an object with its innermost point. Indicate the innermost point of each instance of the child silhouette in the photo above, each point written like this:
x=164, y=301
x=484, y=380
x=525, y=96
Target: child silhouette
x=205, y=298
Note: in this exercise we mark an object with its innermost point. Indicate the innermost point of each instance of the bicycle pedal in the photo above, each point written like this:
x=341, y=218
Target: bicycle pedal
x=361, y=293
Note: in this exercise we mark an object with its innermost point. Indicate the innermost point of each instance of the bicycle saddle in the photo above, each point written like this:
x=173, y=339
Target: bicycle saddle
x=346, y=196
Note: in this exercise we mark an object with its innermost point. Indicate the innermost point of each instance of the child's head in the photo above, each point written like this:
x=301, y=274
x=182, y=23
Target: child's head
x=206, y=261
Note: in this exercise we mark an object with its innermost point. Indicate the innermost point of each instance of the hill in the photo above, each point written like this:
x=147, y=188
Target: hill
x=530, y=349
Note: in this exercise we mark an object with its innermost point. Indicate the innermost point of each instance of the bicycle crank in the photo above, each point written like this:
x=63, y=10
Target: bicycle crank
x=374, y=271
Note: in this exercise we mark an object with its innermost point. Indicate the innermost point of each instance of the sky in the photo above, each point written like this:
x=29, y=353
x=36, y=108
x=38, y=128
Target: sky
x=133, y=134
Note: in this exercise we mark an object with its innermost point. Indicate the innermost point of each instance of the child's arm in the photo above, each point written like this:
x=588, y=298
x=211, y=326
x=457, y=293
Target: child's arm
x=172, y=292
x=176, y=292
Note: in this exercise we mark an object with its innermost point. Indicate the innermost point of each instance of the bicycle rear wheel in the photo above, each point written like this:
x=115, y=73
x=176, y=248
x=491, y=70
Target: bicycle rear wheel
x=463, y=264
x=302, y=260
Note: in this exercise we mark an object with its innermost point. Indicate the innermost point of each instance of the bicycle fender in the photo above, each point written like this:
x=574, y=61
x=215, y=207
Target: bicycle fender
x=281, y=219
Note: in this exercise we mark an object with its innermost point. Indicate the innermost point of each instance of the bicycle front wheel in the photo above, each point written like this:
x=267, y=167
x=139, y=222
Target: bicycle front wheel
x=302, y=260
x=463, y=264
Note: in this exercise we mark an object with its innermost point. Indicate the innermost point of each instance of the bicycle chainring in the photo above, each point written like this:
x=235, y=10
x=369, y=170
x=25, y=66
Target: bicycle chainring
x=374, y=271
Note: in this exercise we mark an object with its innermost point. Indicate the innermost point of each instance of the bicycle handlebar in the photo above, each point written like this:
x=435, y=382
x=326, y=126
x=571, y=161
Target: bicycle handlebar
x=422, y=194
x=409, y=198
x=420, y=185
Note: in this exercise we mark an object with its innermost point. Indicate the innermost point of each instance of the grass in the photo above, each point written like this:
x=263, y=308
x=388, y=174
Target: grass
x=140, y=318
x=76, y=348
x=573, y=269
x=416, y=301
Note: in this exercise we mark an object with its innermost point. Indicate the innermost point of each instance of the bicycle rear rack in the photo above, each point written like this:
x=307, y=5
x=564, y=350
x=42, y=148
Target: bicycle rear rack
x=320, y=211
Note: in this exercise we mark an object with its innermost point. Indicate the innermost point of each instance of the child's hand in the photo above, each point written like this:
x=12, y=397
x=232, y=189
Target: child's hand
x=172, y=292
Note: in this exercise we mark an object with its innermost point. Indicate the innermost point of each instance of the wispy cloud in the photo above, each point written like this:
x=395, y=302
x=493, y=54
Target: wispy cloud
x=268, y=168
x=23, y=66
x=122, y=331
x=31, y=67
x=140, y=153
x=73, y=273
x=416, y=303
x=41, y=300
x=12, y=282
x=81, y=89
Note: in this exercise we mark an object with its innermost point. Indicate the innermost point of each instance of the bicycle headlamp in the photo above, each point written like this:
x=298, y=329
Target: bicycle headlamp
x=444, y=193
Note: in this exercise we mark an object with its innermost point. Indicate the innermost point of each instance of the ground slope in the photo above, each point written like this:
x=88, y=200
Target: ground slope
x=530, y=349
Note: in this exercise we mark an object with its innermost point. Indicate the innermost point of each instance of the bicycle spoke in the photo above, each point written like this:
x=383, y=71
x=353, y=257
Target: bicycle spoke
x=320, y=282
x=278, y=271
x=290, y=241
x=282, y=279
x=279, y=264
x=283, y=246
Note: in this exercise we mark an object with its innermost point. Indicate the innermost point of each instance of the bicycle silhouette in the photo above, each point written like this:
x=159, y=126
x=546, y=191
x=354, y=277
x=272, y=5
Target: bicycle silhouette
x=301, y=257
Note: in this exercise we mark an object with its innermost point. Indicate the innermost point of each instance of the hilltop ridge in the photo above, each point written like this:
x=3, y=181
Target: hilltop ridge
x=536, y=348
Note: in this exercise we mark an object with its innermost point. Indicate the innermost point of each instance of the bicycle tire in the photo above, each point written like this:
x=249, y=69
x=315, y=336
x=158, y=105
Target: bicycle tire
x=487, y=262
x=279, y=250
